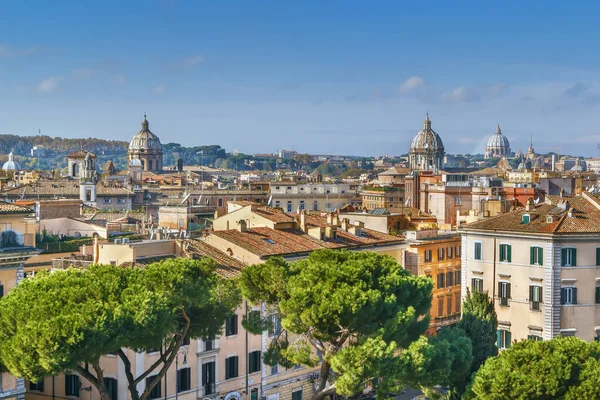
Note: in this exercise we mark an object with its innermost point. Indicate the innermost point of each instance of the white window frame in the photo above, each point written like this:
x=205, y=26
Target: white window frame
x=505, y=252
x=568, y=256
x=504, y=287
x=569, y=290
x=535, y=254
x=540, y=300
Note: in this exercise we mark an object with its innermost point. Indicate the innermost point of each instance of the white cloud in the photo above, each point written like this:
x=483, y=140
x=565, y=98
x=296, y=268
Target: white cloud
x=160, y=89
x=190, y=62
x=412, y=83
x=458, y=94
x=49, y=85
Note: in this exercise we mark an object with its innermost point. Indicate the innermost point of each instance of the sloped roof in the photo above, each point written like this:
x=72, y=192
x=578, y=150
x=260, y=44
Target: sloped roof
x=10, y=208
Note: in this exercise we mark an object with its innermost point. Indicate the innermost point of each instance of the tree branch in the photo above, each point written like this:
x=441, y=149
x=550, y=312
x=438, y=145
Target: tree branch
x=161, y=359
x=130, y=379
x=97, y=381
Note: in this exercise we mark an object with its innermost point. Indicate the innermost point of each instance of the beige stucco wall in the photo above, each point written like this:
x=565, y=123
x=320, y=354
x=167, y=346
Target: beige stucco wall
x=70, y=227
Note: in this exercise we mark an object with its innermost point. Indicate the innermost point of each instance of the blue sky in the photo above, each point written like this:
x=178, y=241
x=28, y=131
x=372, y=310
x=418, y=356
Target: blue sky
x=318, y=76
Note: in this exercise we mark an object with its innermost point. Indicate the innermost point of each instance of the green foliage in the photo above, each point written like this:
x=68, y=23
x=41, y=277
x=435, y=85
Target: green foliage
x=561, y=368
x=62, y=320
x=480, y=323
x=358, y=309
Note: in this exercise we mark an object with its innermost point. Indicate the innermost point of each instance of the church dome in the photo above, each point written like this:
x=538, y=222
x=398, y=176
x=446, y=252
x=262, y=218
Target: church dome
x=136, y=162
x=145, y=139
x=497, y=145
x=427, y=139
x=11, y=164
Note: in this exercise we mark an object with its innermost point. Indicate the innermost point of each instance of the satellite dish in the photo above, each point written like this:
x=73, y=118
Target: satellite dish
x=536, y=200
x=270, y=200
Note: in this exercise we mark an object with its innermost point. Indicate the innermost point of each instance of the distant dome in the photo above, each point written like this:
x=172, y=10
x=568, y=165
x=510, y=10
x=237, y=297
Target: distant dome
x=11, y=164
x=136, y=162
x=145, y=139
x=497, y=145
x=427, y=139
x=426, y=149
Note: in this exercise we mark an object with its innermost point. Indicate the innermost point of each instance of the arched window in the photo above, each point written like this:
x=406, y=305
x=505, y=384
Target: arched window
x=150, y=164
x=75, y=170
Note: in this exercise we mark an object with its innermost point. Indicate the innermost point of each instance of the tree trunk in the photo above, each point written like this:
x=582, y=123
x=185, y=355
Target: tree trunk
x=322, y=391
x=97, y=382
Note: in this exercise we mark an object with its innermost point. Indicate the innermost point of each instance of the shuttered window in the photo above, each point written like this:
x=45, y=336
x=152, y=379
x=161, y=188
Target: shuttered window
x=569, y=257
x=536, y=255
x=535, y=297
x=504, y=293
x=505, y=253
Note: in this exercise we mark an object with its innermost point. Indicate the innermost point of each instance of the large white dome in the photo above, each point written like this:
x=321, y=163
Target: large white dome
x=11, y=164
x=145, y=139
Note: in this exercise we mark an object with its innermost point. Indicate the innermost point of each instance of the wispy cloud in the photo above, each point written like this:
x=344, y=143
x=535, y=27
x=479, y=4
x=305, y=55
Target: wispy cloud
x=411, y=84
x=159, y=89
x=49, y=85
x=461, y=94
x=7, y=51
x=81, y=73
x=190, y=62
x=120, y=79
x=577, y=90
x=457, y=95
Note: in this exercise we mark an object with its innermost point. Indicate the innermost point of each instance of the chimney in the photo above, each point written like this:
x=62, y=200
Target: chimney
x=571, y=212
x=335, y=220
x=529, y=205
x=345, y=224
x=562, y=193
x=242, y=226
x=303, y=221
x=329, y=218
x=357, y=228
x=553, y=162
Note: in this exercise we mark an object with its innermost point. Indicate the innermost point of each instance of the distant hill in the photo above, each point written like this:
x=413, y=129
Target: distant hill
x=57, y=146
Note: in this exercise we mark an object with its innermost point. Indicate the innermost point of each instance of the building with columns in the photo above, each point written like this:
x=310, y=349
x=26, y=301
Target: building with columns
x=146, y=147
x=426, y=150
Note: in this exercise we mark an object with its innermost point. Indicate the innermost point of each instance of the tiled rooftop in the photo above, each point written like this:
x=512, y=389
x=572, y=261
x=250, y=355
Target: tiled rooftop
x=9, y=208
x=585, y=218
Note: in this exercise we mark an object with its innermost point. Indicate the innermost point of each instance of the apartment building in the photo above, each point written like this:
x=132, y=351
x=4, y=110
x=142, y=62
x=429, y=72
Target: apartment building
x=540, y=265
x=379, y=197
x=439, y=258
x=292, y=196
x=17, y=245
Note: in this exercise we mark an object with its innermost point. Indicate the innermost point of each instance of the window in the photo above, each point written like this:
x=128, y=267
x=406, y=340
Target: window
x=301, y=204
x=457, y=278
x=504, y=292
x=231, y=326
x=457, y=252
x=477, y=285
x=536, y=255
x=503, y=339
x=440, y=280
x=477, y=253
x=597, y=294
x=449, y=279
x=505, y=252
x=220, y=202
x=155, y=393
x=449, y=306
x=297, y=395
x=208, y=377
x=186, y=341
x=107, y=201
x=440, y=306
x=112, y=388
x=428, y=256
x=274, y=369
x=277, y=203
x=184, y=379
x=289, y=206
x=440, y=254
x=72, y=385
x=525, y=219
x=449, y=253
x=569, y=257
x=568, y=295
x=315, y=205
x=37, y=386
x=209, y=345
x=535, y=297
x=231, y=367
x=254, y=362
x=1, y=290
x=121, y=201
x=535, y=338
x=274, y=325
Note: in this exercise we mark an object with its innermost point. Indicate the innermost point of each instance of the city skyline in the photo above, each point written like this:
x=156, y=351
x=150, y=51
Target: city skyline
x=304, y=76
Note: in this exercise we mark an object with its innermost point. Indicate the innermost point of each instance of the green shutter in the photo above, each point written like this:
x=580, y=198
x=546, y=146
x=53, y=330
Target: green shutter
x=508, y=339
x=563, y=257
x=597, y=256
x=574, y=259
x=540, y=256
x=508, y=290
x=499, y=339
x=508, y=255
x=531, y=256
x=1, y=290
x=502, y=255
x=574, y=295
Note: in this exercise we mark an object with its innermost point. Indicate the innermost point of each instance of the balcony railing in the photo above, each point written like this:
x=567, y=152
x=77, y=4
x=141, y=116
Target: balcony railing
x=64, y=263
x=209, y=388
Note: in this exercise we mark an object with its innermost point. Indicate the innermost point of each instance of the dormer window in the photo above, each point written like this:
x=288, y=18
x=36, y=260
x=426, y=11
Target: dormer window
x=525, y=219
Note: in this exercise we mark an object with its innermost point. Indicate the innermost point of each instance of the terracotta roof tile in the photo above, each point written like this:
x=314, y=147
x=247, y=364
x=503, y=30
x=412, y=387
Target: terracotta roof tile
x=8, y=208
